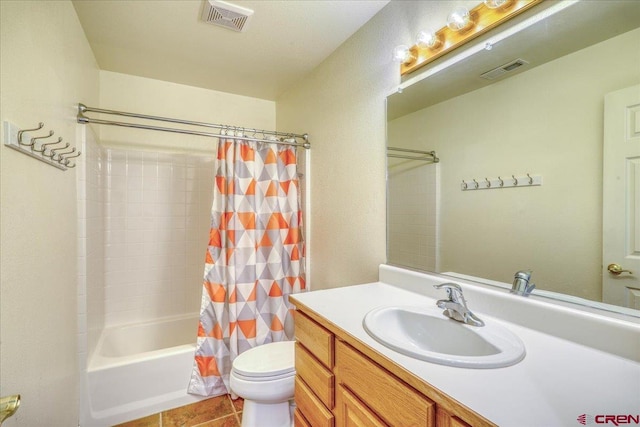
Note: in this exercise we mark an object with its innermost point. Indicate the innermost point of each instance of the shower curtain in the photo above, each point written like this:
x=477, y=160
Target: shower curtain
x=254, y=260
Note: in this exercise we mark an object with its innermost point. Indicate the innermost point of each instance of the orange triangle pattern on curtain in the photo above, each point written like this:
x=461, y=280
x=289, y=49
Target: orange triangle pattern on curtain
x=254, y=260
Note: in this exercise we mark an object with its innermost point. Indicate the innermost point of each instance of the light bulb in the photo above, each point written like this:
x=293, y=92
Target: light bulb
x=402, y=54
x=459, y=19
x=496, y=4
x=427, y=38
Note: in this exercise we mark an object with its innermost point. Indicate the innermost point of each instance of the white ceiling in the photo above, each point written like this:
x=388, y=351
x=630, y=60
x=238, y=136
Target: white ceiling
x=166, y=40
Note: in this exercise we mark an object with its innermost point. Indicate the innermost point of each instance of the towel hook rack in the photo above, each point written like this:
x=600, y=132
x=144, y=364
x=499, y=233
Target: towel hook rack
x=527, y=180
x=24, y=141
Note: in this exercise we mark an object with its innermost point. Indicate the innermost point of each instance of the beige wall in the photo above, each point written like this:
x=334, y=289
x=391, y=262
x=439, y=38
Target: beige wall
x=341, y=104
x=550, y=122
x=47, y=67
x=158, y=98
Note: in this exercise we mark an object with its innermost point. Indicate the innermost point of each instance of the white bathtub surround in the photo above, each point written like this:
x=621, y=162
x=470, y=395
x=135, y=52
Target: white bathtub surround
x=156, y=216
x=141, y=369
x=413, y=214
x=577, y=362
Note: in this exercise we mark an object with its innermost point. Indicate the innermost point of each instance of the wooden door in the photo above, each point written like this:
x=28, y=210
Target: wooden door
x=621, y=198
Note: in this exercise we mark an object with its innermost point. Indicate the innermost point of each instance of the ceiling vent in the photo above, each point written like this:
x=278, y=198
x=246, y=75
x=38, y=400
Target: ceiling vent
x=504, y=69
x=226, y=15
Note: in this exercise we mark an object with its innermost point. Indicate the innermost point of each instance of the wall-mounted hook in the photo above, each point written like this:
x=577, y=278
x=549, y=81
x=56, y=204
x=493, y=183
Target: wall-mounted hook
x=64, y=157
x=530, y=179
x=53, y=152
x=36, y=138
x=59, y=159
x=43, y=147
x=475, y=183
x=464, y=185
x=40, y=126
x=488, y=182
x=515, y=180
x=501, y=182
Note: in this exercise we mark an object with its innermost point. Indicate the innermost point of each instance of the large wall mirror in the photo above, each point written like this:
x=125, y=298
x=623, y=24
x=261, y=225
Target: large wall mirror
x=542, y=118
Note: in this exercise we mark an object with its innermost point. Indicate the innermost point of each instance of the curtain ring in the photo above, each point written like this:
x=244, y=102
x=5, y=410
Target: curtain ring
x=530, y=180
x=501, y=182
x=475, y=183
x=515, y=180
x=488, y=182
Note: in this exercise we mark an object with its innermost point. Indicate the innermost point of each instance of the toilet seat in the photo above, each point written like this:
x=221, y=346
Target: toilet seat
x=268, y=362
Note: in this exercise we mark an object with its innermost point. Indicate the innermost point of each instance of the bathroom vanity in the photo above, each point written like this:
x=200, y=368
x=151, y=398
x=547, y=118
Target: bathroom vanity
x=354, y=386
x=577, y=363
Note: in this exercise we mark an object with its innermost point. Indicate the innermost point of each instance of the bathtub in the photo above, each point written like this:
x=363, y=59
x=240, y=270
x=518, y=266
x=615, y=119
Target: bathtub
x=139, y=370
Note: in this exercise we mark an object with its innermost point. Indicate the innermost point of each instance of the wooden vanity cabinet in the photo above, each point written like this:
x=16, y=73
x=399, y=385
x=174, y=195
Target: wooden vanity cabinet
x=314, y=389
x=339, y=385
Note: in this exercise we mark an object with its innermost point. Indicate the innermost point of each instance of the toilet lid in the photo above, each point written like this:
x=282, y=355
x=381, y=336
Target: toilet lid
x=268, y=360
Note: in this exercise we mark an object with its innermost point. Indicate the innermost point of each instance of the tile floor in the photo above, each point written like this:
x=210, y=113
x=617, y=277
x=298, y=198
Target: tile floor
x=218, y=411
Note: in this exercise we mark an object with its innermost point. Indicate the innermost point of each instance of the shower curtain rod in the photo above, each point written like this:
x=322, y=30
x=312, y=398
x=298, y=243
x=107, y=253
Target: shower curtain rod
x=282, y=138
x=432, y=156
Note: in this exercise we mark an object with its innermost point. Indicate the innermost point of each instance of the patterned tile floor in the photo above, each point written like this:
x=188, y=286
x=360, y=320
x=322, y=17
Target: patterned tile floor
x=218, y=411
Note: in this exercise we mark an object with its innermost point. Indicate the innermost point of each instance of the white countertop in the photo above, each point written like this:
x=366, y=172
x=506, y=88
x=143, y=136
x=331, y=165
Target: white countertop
x=558, y=380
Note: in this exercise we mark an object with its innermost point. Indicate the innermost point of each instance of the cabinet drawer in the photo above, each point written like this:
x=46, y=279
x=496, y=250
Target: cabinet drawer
x=298, y=419
x=387, y=396
x=315, y=338
x=316, y=376
x=311, y=408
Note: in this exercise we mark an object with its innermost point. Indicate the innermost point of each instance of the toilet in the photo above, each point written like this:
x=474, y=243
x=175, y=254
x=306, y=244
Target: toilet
x=264, y=377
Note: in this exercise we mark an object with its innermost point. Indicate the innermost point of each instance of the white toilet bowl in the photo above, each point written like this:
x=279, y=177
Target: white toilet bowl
x=264, y=377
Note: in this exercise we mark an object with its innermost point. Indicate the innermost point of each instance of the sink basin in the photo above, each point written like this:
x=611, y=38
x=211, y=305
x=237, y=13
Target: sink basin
x=425, y=333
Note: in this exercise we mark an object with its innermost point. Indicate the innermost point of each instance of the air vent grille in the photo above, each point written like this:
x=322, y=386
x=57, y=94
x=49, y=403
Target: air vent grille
x=504, y=69
x=226, y=15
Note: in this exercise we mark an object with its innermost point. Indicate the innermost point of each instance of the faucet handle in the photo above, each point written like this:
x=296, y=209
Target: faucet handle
x=523, y=274
x=454, y=291
x=521, y=284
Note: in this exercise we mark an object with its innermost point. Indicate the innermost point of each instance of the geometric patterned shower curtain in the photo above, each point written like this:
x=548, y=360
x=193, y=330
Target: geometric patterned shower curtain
x=254, y=260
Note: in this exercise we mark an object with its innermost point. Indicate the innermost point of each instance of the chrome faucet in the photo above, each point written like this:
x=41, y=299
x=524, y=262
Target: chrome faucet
x=455, y=306
x=521, y=285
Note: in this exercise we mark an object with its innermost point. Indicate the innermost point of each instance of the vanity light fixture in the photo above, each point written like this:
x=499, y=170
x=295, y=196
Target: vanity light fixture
x=496, y=4
x=462, y=26
x=403, y=55
x=428, y=39
x=459, y=19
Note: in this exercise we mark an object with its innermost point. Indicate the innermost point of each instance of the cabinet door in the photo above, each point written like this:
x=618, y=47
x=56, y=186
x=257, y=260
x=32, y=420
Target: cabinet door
x=384, y=394
x=353, y=413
